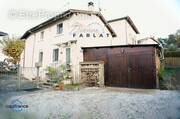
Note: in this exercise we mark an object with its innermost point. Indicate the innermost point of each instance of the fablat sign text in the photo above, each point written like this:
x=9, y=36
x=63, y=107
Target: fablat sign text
x=92, y=30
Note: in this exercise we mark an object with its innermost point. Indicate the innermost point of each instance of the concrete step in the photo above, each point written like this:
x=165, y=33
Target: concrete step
x=45, y=84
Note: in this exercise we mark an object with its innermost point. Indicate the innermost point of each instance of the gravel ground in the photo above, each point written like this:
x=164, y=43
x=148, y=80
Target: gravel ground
x=94, y=103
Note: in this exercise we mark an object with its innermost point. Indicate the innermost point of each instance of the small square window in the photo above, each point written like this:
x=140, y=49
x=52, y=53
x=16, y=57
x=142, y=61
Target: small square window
x=59, y=28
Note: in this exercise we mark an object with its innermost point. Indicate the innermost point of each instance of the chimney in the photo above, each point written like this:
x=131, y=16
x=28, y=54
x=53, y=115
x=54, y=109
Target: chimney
x=90, y=6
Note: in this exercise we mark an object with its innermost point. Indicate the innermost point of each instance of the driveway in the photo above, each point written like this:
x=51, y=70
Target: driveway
x=95, y=103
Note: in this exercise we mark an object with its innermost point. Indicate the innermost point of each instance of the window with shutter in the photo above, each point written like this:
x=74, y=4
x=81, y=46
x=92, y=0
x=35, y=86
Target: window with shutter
x=55, y=55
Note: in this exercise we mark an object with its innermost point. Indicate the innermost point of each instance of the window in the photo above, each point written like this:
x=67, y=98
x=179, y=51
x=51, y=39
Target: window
x=59, y=28
x=42, y=35
x=55, y=55
x=41, y=57
x=68, y=55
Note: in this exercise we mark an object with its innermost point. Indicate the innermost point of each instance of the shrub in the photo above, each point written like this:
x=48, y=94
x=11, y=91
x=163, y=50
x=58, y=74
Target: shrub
x=51, y=71
x=161, y=72
x=172, y=53
x=57, y=74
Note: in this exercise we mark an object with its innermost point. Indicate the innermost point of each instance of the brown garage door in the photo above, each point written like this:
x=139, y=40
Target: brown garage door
x=132, y=67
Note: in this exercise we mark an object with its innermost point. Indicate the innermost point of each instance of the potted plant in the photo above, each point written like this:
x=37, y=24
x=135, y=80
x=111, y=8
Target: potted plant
x=63, y=75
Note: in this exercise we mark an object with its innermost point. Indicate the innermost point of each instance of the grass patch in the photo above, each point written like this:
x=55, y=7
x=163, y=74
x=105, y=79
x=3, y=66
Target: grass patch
x=170, y=78
x=76, y=86
x=171, y=69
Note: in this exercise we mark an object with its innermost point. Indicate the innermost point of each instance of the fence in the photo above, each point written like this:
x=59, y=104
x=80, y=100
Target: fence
x=172, y=61
x=25, y=78
x=8, y=81
x=18, y=79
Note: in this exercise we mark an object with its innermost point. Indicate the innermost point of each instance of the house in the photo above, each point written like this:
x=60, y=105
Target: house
x=2, y=35
x=64, y=38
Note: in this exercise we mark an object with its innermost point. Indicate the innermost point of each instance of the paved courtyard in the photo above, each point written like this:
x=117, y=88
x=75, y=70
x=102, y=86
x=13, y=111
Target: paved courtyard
x=93, y=103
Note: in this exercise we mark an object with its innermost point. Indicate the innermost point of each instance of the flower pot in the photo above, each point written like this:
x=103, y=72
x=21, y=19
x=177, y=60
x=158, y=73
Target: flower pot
x=59, y=86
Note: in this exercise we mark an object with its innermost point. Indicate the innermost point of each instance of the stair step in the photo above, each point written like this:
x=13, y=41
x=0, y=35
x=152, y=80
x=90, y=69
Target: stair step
x=45, y=86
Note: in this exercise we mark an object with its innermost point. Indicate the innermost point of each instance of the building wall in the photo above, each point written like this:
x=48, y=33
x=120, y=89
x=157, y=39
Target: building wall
x=124, y=32
x=84, y=24
x=2, y=56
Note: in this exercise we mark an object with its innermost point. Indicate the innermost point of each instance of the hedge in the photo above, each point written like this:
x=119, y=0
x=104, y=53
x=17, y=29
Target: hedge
x=172, y=53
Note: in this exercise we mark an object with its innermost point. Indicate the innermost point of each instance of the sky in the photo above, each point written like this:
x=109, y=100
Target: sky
x=157, y=18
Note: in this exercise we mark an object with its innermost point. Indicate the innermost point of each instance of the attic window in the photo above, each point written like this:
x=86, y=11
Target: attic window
x=59, y=28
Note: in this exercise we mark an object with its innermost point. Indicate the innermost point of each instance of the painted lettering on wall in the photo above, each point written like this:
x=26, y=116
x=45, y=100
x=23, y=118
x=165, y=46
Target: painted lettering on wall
x=93, y=30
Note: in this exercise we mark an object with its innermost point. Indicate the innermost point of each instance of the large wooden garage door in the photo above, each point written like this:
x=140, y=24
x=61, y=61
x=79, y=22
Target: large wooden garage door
x=126, y=67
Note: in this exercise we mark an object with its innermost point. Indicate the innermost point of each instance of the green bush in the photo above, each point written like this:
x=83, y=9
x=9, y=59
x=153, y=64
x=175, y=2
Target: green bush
x=51, y=71
x=161, y=72
x=172, y=54
x=57, y=74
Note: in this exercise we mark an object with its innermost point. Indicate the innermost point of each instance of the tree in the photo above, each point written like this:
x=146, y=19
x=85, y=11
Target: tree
x=12, y=47
x=171, y=39
x=172, y=43
x=178, y=37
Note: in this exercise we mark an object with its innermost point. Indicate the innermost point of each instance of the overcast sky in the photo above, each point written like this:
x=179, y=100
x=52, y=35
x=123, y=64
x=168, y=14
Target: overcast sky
x=152, y=17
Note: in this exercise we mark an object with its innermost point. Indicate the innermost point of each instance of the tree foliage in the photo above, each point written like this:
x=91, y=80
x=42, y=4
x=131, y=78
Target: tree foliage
x=12, y=47
x=172, y=43
x=178, y=37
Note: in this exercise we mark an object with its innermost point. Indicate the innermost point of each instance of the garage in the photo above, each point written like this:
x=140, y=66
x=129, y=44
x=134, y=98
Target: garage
x=131, y=66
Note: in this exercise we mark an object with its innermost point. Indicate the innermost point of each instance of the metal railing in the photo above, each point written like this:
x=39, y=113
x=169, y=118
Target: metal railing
x=19, y=79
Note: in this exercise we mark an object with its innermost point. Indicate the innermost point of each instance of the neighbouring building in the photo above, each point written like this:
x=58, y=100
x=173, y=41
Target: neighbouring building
x=64, y=38
x=2, y=56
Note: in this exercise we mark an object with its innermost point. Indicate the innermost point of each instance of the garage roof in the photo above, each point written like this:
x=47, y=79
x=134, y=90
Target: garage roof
x=135, y=45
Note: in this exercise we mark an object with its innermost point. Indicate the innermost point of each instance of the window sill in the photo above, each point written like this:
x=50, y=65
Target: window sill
x=55, y=62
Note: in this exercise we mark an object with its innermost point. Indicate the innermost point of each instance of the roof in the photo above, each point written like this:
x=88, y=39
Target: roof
x=66, y=15
x=114, y=46
x=148, y=38
x=128, y=19
x=3, y=34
